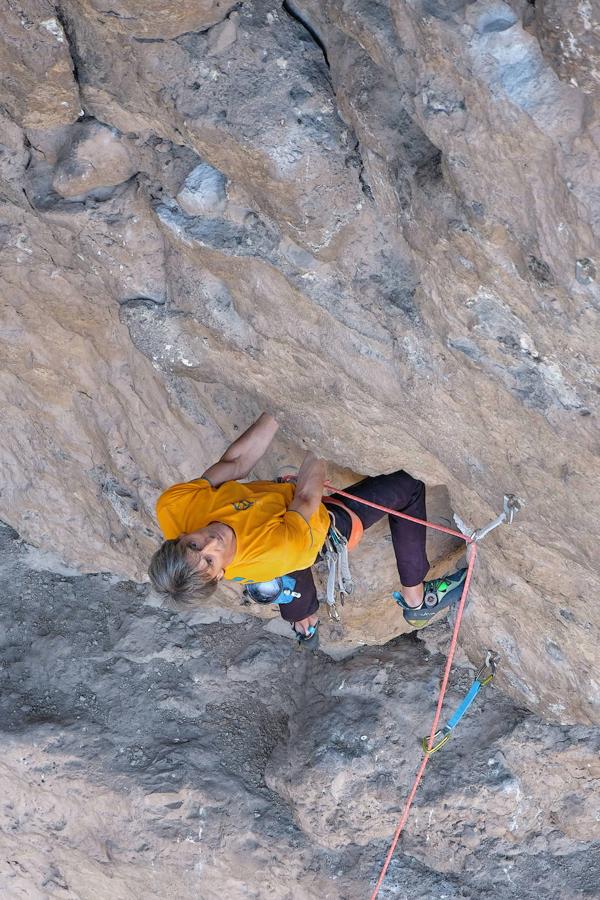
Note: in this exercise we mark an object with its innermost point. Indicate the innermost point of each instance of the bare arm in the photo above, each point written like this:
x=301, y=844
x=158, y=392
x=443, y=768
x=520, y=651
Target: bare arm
x=309, y=486
x=241, y=456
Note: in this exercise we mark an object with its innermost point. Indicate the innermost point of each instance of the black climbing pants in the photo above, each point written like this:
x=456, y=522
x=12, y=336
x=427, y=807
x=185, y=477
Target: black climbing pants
x=400, y=491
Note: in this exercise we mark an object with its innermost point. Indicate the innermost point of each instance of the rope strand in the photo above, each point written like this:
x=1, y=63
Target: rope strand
x=444, y=685
x=436, y=719
x=400, y=515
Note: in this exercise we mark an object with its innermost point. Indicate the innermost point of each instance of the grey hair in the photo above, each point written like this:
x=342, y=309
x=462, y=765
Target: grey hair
x=177, y=583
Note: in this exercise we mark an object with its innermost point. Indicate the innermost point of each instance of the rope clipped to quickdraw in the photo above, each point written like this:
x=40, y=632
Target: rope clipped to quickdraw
x=482, y=677
x=471, y=536
x=438, y=712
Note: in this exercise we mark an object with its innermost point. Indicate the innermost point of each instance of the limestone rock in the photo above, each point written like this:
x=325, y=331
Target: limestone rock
x=79, y=431
x=159, y=19
x=14, y=159
x=570, y=39
x=405, y=272
x=38, y=87
x=203, y=192
x=225, y=106
x=223, y=35
x=93, y=158
x=129, y=735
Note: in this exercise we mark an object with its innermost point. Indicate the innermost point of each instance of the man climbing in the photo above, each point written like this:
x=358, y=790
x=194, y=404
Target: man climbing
x=267, y=535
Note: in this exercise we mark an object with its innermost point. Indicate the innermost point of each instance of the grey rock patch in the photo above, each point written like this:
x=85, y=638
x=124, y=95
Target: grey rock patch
x=130, y=734
x=203, y=192
x=585, y=271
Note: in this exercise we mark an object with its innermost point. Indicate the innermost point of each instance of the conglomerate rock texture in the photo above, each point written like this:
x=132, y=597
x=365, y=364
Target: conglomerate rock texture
x=379, y=221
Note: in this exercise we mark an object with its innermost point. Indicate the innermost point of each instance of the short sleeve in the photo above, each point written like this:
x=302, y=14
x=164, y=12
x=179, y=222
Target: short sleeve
x=298, y=532
x=174, y=501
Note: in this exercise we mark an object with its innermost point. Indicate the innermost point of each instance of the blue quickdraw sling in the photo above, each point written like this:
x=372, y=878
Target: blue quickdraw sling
x=483, y=677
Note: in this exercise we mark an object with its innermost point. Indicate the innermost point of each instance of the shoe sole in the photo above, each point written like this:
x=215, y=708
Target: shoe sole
x=418, y=618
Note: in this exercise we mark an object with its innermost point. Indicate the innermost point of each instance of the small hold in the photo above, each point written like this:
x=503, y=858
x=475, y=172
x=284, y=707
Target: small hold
x=203, y=192
x=540, y=270
x=553, y=650
x=527, y=346
x=585, y=270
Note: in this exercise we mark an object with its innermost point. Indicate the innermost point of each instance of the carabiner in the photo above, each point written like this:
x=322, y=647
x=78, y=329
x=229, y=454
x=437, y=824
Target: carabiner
x=488, y=669
x=483, y=677
x=439, y=739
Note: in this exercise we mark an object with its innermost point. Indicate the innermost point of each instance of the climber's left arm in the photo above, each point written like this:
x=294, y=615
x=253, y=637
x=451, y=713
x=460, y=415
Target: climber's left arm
x=241, y=456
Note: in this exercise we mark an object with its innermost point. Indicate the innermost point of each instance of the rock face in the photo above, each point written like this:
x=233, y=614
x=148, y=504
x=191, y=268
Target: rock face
x=39, y=89
x=147, y=755
x=203, y=192
x=395, y=252
x=569, y=39
x=157, y=19
x=93, y=159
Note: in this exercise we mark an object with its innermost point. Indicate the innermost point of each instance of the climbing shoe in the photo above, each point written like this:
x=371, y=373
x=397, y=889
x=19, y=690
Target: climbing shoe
x=437, y=595
x=308, y=641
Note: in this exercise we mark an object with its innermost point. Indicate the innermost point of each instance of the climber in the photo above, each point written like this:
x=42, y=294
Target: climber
x=217, y=527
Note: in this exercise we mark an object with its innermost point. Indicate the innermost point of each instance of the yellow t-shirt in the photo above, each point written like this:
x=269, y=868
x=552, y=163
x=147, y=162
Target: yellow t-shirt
x=271, y=539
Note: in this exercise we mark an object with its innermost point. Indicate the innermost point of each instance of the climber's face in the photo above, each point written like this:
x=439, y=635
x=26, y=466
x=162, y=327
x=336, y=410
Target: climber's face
x=210, y=550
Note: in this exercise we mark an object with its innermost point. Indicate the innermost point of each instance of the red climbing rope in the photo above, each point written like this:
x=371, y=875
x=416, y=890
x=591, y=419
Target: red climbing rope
x=444, y=685
x=436, y=719
x=394, y=512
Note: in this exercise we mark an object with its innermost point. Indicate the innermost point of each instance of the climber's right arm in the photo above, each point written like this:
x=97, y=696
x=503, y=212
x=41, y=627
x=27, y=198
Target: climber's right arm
x=241, y=456
x=309, y=486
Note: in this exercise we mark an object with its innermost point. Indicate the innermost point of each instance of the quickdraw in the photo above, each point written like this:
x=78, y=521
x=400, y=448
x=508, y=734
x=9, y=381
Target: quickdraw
x=335, y=553
x=339, y=577
x=483, y=677
x=472, y=537
x=512, y=504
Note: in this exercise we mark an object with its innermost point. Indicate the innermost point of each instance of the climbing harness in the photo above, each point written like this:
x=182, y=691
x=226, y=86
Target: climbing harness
x=335, y=553
x=483, y=677
x=278, y=590
x=356, y=526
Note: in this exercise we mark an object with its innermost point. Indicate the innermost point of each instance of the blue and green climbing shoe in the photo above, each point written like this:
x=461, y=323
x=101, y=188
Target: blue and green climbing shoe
x=310, y=640
x=437, y=595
